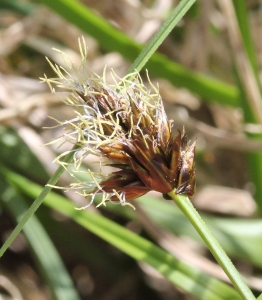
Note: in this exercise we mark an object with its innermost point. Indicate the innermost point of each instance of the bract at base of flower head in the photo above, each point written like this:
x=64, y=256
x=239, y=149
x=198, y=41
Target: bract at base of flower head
x=125, y=125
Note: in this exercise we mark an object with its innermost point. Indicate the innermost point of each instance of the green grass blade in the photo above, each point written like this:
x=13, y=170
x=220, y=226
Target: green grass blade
x=17, y=6
x=240, y=238
x=16, y=155
x=160, y=35
x=113, y=40
x=244, y=26
x=186, y=277
x=38, y=201
x=47, y=258
x=254, y=159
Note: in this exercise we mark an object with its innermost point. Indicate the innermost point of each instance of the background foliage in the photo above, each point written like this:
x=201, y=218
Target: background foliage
x=208, y=70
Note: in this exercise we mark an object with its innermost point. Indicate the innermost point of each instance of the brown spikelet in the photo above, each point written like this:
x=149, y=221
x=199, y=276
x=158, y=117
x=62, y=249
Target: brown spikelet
x=125, y=124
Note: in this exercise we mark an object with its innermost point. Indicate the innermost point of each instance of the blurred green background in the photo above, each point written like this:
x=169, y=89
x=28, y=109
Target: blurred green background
x=209, y=75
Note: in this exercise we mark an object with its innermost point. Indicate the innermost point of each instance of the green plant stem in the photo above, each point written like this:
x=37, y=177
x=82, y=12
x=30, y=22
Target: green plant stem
x=52, y=181
x=161, y=34
x=254, y=159
x=260, y=297
x=188, y=209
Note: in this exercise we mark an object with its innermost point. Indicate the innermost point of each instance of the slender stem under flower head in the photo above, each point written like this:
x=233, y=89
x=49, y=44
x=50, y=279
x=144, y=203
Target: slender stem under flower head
x=190, y=212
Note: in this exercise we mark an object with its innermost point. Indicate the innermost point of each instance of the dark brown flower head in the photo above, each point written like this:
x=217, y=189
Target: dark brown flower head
x=126, y=124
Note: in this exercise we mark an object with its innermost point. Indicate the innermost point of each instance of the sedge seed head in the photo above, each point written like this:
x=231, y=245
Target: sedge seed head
x=124, y=124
